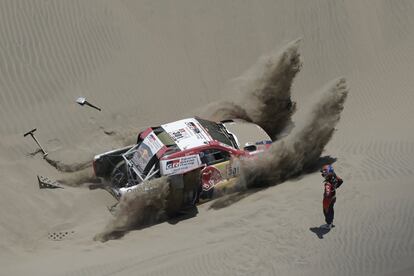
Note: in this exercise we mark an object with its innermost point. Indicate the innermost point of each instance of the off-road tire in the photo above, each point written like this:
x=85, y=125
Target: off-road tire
x=119, y=175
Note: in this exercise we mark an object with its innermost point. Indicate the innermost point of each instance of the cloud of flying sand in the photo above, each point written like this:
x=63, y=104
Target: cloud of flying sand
x=143, y=206
x=301, y=148
x=264, y=92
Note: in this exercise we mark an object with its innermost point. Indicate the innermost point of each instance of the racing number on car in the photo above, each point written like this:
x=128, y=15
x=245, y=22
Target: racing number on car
x=233, y=168
x=210, y=176
x=233, y=171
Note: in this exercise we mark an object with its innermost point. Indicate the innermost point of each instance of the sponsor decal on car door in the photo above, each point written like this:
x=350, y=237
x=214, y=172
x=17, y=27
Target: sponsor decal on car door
x=210, y=176
x=180, y=164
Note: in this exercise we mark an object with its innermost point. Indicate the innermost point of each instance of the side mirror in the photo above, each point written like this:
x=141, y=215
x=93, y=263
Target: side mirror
x=250, y=148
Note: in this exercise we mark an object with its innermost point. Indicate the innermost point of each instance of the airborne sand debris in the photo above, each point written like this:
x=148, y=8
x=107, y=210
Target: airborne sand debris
x=296, y=152
x=142, y=206
x=301, y=148
x=263, y=93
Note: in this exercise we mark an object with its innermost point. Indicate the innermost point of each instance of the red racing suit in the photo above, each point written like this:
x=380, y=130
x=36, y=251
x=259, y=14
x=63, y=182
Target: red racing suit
x=331, y=183
x=329, y=195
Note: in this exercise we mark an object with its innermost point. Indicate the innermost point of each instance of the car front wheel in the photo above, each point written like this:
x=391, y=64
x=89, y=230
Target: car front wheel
x=119, y=175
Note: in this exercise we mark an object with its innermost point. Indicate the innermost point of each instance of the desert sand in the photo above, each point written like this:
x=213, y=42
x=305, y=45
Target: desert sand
x=149, y=62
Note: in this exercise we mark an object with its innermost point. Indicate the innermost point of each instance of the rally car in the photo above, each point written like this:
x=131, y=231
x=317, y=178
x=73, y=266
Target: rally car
x=199, y=157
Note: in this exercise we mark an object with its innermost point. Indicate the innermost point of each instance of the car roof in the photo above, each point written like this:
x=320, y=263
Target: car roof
x=187, y=133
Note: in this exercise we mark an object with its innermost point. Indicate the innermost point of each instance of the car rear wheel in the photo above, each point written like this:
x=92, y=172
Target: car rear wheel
x=183, y=193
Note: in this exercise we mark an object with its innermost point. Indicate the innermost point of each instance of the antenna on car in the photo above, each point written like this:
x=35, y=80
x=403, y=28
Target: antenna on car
x=31, y=133
x=83, y=101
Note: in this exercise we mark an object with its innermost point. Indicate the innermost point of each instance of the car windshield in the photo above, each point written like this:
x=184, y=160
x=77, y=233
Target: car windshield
x=165, y=138
x=216, y=131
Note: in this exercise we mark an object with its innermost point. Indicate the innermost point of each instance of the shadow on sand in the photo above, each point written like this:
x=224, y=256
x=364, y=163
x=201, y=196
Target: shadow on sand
x=320, y=231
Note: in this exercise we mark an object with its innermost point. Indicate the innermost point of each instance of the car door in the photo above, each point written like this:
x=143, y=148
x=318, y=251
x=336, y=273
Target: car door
x=219, y=173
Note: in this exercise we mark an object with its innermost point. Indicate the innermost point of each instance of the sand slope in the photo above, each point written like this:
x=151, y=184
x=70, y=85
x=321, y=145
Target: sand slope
x=147, y=62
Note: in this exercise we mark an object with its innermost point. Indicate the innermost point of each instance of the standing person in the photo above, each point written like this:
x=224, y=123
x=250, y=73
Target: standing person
x=331, y=183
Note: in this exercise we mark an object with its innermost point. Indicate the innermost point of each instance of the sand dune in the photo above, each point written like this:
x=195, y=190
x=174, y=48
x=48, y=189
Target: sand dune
x=148, y=62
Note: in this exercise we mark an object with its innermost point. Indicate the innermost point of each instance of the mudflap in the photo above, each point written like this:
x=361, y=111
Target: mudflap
x=183, y=194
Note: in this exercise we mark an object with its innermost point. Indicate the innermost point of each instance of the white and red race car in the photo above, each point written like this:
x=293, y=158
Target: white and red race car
x=198, y=156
